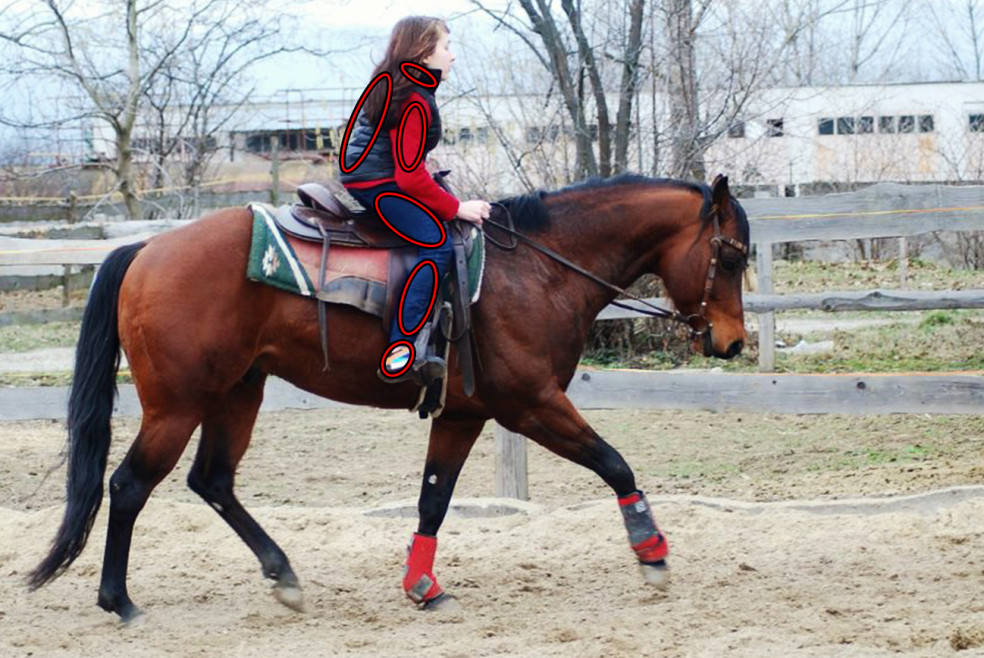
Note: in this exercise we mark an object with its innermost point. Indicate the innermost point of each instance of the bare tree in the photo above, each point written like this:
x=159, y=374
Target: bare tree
x=207, y=80
x=876, y=24
x=114, y=53
x=959, y=36
x=97, y=55
x=568, y=52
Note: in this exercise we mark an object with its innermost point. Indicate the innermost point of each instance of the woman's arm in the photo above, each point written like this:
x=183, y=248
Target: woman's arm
x=418, y=182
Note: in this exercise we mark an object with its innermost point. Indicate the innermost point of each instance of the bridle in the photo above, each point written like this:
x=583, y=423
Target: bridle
x=651, y=310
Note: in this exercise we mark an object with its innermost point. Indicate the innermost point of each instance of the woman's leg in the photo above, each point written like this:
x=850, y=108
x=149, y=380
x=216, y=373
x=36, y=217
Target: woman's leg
x=416, y=224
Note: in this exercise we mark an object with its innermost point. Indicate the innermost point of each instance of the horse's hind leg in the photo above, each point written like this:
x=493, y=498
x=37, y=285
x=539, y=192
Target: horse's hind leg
x=556, y=425
x=159, y=444
x=226, y=431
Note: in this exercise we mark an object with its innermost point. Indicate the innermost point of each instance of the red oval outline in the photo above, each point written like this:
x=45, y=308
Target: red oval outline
x=355, y=113
x=423, y=136
x=403, y=296
x=382, y=359
x=420, y=68
x=426, y=245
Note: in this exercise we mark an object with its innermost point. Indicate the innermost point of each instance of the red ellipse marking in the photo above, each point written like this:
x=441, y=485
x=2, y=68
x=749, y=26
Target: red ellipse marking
x=418, y=67
x=426, y=245
x=403, y=297
x=423, y=134
x=382, y=360
x=355, y=113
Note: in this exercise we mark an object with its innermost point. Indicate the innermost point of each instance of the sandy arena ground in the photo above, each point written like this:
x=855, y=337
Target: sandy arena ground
x=770, y=558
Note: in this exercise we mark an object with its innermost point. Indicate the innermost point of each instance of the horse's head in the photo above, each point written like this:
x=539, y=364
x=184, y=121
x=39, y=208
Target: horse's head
x=702, y=267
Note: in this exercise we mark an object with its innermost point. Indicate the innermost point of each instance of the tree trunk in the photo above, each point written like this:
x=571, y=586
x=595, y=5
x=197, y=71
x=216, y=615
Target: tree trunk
x=544, y=25
x=686, y=149
x=124, y=127
x=627, y=88
x=124, y=173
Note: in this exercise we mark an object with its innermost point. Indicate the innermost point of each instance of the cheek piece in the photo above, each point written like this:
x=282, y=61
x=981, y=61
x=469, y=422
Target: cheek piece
x=645, y=538
x=418, y=574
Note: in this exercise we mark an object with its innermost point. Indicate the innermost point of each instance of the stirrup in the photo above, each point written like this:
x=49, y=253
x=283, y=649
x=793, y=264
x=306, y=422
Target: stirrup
x=423, y=372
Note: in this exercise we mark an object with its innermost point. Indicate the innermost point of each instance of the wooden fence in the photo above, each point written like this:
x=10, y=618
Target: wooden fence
x=881, y=211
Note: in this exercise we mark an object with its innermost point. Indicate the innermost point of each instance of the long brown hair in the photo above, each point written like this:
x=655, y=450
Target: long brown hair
x=413, y=39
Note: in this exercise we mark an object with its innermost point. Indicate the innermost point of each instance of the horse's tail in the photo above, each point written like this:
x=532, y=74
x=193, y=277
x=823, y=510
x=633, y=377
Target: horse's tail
x=90, y=407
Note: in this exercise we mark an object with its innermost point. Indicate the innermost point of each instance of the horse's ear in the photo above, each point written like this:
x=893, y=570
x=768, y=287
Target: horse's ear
x=719, y=190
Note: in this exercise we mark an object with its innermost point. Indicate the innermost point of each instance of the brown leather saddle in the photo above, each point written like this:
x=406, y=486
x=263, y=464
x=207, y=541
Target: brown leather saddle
x=320, y=217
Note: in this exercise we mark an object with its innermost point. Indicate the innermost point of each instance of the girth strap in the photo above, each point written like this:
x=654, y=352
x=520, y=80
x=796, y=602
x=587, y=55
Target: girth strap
x=323, y=305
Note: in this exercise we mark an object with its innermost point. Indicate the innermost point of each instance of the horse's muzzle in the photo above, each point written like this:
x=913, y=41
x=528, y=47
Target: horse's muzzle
x=707, y=347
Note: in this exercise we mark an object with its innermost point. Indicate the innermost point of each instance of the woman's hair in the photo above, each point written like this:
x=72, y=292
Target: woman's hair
x=413, y=39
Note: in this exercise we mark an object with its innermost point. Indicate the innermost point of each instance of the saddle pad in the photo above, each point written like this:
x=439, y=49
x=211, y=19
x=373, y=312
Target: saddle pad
x=354, y=276
x=272, y=260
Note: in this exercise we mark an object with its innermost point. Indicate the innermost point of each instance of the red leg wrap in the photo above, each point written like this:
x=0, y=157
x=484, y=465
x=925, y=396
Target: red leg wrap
x=418, y=575
x=645, y=538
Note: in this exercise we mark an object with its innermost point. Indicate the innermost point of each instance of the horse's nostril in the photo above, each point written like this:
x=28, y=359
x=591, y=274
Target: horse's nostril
x=735, y=348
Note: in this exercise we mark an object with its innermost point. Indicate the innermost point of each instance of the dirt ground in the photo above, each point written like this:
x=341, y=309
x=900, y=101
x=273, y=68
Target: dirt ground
x=769, y=554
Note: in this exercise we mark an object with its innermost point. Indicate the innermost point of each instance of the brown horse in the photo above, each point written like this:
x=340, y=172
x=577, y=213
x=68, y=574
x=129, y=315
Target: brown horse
x=201, y=340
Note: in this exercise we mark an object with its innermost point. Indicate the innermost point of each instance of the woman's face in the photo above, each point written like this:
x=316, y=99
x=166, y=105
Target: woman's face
x=442, y=57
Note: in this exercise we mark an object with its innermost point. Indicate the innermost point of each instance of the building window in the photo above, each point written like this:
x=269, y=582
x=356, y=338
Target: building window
x=825, y=126
x=774, y=128
x=907, y=123
x=886, y=124
x=845, y=125
x=926, y=123
x=866, y=125
x=736, y=130
x=977, y=123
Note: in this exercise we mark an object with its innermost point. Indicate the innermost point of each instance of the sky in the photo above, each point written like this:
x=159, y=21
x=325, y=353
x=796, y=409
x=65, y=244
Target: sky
x=362, y=23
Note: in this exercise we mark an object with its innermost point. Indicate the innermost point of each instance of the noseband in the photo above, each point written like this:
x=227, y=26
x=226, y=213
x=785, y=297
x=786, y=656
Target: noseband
x=651, y=310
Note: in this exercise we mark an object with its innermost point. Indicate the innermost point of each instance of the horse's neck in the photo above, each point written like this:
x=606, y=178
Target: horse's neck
x=614, y=240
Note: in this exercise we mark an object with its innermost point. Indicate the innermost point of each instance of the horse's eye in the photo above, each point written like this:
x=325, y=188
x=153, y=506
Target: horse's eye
x=731, y=263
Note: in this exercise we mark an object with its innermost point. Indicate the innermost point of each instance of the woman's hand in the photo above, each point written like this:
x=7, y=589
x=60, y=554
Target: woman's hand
x=474, y=211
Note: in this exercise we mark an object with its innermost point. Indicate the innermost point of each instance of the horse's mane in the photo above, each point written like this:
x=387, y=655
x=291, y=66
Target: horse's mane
x=530, y=214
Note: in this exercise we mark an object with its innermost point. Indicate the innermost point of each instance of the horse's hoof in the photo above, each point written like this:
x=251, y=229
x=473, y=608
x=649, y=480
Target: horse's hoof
x=656, y=574
x=291, y=596
x=134, y=617
x=442, y=603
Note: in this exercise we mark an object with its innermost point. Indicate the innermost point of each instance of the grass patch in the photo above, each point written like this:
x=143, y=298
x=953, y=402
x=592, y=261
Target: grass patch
x=40, y=379
x=941, y=342
x=813, y=276
x=28, y=337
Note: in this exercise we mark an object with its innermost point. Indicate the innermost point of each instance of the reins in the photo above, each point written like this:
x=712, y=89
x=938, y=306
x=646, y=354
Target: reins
x=650, y=309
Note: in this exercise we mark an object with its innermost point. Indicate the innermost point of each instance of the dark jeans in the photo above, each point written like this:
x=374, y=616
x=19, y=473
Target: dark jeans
x=414, y=223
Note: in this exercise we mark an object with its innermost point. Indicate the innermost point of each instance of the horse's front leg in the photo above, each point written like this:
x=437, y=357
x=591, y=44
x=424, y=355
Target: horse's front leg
x=451, y=439
x=557, y=425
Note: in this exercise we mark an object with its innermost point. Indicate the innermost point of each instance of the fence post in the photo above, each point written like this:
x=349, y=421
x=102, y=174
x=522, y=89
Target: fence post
x=73, y=207
x=275, y=169
x=903, y=263
x=511, y=475
x=66, y=283
x=766, y=321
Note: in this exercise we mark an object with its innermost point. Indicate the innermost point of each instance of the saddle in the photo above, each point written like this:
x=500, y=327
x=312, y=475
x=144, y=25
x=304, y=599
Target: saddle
x=320, y=216
x=323, y=221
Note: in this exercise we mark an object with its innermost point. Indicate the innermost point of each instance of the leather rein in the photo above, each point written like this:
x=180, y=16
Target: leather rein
x=650, y=309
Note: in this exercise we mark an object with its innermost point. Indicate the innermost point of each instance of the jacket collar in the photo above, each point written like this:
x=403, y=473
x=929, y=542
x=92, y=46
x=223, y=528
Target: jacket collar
x=437, y=76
